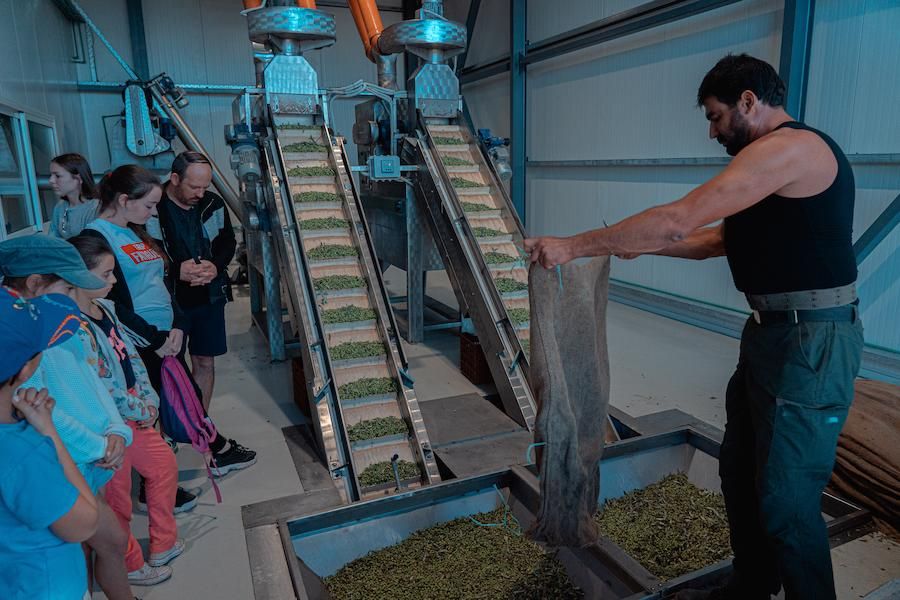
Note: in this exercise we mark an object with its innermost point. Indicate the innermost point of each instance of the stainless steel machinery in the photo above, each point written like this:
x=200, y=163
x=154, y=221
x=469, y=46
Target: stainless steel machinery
x=454, y=189
x=310, y=246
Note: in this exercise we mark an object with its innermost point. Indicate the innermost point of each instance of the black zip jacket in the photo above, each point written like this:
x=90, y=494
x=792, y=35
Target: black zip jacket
x=202, y=232
x=148, y=336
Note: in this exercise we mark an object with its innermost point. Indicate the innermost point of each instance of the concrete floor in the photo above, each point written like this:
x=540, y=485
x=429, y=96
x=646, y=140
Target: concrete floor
x=656, y=364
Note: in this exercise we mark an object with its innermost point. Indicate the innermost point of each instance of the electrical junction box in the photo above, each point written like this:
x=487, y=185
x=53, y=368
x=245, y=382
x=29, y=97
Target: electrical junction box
x=384, y=167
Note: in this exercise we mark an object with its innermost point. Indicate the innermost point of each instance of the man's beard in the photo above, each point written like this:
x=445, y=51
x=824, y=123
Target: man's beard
x=740, y=135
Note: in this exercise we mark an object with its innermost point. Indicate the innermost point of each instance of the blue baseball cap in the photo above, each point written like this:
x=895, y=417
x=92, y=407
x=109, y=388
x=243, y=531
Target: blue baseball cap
x=28, y=327
x=41, y=254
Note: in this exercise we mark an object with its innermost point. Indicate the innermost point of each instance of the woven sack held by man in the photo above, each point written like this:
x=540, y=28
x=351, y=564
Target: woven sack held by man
x=569, y=373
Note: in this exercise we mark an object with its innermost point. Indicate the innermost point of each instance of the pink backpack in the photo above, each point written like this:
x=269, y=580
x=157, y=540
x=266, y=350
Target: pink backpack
x=182, y=416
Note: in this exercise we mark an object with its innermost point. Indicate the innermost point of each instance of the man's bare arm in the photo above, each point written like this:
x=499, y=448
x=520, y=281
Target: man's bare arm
x=706, y=242
x=761, y=169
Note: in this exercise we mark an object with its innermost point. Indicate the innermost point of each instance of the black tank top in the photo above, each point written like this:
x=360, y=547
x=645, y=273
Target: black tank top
x=795, y=244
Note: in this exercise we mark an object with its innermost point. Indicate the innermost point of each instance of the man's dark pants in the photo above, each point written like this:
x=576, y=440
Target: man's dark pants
x=786, y=405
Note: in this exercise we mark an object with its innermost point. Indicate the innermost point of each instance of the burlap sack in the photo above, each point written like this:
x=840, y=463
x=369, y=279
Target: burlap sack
x=570, y=378
x=867, y=466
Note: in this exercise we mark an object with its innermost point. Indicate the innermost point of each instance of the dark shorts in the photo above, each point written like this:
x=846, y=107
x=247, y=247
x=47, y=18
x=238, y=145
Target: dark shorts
x=205, y=330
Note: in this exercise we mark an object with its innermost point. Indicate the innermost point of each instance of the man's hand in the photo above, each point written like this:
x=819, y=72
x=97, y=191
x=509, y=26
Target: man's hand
x=115, y=452
x=189, y=271
x=550, y=251
x=36, y=407
x=206, y=272
x=149, y=421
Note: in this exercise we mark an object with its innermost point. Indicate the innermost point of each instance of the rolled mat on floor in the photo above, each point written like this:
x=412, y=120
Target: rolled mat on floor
x=570, y=377
x=867, y=467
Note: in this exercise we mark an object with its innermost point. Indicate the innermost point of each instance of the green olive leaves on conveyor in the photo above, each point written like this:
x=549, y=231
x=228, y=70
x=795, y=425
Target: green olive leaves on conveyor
x=457, y=560
x=519, y=315
x=671, y=527
x=332, y=252
x=347, y=314
x=448, y=141
x=452, y=161
x=383, y=472
x=376, y=428
x=339, y=282
x=298, y=126
x=506, y=285
x=311, y=172
x=484, y=232
x=370, y=386
x=350, y=350
x=316, y=197
x=459, y=182
x=324, y=223
x=309, y=146
x=498, y=258
x=476, y=207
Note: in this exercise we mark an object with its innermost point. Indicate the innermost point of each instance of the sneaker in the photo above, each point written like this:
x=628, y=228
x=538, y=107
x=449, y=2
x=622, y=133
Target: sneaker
x=158, y=559
x=185, y=500
x=148, y=575
x=235, y=458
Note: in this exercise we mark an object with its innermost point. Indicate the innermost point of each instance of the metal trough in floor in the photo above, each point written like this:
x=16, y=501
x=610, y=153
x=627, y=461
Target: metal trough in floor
x=317, y=545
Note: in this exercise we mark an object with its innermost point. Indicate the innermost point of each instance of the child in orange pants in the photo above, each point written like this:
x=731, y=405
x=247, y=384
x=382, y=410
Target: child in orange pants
x=124, y=374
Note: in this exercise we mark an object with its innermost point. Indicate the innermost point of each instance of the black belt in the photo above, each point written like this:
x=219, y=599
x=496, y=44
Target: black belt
x=849, y=312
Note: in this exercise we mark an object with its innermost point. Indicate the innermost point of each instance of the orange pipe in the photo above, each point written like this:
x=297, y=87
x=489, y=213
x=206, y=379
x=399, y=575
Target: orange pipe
x=306, y=3
x=368, y=23
x=248, y=4
x=360, y=24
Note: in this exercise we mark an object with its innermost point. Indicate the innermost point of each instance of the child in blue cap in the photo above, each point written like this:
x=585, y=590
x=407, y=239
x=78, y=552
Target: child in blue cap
x=86, y=416
x=46, y=507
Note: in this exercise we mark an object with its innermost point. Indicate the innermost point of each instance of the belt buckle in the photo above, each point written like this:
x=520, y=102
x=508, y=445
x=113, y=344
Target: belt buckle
x=795, y=317
x=756, y=316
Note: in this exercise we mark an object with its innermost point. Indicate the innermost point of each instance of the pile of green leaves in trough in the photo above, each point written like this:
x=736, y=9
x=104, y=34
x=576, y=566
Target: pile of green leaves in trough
x=482, y=557
x=671, y=527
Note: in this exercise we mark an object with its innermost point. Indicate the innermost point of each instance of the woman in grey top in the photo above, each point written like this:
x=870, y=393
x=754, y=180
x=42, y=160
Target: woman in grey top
x=73, y=183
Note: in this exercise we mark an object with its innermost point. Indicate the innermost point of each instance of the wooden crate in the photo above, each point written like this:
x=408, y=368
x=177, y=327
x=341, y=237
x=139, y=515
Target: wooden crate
x=471, y=360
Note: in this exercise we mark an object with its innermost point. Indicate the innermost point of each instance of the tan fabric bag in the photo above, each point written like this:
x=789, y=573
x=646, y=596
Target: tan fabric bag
x=570, y=377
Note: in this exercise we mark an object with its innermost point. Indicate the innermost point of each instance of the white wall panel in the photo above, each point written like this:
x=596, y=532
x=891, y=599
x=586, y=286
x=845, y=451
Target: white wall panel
x=635, y=98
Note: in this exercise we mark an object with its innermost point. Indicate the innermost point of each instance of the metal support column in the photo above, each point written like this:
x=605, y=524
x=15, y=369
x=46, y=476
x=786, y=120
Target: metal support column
x=877, y=231
x=138, y=38
x=796, y=41
x=415, y=275
x=518, y=13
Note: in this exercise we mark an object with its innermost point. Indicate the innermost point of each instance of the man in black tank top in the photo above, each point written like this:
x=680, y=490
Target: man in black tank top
x=781, y=212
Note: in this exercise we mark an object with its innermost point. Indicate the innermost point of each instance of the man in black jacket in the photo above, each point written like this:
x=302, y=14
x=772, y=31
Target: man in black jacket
x=198, y=237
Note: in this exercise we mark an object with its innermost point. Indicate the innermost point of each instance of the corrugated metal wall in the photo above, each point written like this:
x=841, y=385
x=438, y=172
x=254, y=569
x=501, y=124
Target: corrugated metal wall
x=195, y=41
x=36, y=45
x=635, y=98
